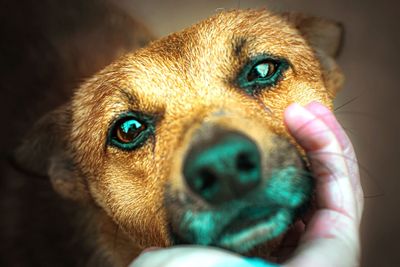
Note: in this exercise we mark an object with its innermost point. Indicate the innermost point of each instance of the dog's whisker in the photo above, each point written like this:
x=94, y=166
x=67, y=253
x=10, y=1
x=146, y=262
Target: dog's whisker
x=361, y=166
x=356, y=113
x=347, y=103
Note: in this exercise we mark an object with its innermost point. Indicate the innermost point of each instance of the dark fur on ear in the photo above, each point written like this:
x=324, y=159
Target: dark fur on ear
x=44, y=151
x=326, y=37
x=48, y=136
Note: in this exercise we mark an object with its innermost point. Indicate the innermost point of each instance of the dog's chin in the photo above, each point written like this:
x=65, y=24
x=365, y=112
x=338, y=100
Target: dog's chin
x=250, y=228
x=242, y=235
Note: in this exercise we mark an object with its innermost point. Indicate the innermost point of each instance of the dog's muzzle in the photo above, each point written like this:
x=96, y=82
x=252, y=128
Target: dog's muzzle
x=235, y=188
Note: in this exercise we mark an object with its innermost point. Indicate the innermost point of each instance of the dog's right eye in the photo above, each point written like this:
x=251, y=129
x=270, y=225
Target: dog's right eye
x=129, y=131
x=261, y=72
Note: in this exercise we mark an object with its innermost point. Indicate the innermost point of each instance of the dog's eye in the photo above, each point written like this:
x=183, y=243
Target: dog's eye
x=261, y=72
x=129, y=132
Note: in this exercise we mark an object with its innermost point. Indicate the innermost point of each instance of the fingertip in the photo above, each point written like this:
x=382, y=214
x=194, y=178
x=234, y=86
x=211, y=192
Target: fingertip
x=292, y=110
x=294, y=116
x=308, y=130
x=327, y=116
x=323, y=113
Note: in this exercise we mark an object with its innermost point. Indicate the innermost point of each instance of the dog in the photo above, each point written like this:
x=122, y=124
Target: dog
x=183, y=141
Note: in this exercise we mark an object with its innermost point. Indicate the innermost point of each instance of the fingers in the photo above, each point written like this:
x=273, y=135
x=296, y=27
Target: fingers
x=331, y=237
x=195, y=256
x=333, y=188
x=324, y=114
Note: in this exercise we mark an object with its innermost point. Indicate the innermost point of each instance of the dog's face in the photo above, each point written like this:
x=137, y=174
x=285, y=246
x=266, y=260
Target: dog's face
x=184, y=141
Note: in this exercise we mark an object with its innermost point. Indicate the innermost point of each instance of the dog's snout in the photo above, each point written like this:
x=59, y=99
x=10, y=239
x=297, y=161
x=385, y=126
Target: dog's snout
x=223, y=167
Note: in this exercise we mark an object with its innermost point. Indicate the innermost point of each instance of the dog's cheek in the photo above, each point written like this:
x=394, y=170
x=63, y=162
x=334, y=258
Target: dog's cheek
x=132, y=197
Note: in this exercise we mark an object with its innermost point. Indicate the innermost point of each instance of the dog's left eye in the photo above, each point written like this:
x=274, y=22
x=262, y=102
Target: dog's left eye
x=261, y=72
x=129, y=132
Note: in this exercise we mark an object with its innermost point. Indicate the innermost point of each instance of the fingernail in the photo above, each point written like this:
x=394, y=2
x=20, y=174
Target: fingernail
x=295, y=115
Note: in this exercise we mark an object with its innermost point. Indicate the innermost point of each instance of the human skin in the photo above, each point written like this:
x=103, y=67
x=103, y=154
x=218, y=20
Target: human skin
x=330, y=237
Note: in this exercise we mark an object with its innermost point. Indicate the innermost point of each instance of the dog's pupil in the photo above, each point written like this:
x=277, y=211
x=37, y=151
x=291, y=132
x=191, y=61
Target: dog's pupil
x=261, y=71
x=129, y=130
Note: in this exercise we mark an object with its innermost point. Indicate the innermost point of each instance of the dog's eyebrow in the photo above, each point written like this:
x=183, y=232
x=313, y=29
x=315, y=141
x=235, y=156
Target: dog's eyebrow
x=238, y=44
x=128, y=96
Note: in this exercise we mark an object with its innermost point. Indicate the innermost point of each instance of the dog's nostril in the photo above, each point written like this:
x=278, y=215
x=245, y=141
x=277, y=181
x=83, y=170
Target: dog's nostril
x=244, y=162
x=207, y=179
x=205, y=183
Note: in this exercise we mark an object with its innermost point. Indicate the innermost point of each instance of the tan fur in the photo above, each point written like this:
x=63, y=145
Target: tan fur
x=186, y=78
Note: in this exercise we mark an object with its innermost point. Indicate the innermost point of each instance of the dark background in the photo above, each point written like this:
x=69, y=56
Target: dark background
x=367, y=106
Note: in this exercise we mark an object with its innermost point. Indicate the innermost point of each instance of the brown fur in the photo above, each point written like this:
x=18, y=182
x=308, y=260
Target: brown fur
x=185, y=79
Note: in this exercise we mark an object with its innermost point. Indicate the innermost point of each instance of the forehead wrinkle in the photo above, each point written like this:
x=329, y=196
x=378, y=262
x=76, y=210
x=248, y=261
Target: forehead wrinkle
x=239, y=44
x=130, y=97
x=137, y=102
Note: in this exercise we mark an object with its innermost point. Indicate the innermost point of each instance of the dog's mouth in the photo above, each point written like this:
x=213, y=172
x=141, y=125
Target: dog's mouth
x=252, y=227
x=242, y=224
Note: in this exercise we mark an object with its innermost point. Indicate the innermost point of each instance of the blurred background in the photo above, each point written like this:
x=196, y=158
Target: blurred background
x=367, y=106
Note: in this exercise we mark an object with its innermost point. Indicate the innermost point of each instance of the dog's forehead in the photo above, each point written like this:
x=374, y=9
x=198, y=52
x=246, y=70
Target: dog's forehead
x=214, y=49
x=226, y=36
x=200, y=61
x=240, y=28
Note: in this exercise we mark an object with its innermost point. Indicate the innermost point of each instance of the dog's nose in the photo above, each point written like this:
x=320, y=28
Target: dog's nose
x=224, y=167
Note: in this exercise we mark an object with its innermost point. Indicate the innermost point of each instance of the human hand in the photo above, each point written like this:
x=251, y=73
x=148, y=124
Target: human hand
x=331, y=236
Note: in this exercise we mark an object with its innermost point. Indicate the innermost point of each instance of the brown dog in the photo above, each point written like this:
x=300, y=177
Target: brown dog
x=183, y=141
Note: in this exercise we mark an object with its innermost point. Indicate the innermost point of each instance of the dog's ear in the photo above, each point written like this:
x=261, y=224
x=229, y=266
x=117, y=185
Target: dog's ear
x=323, y=34
x=326, y=38
x=45, y=151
